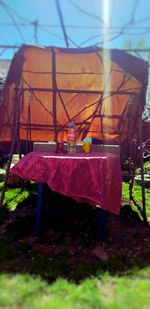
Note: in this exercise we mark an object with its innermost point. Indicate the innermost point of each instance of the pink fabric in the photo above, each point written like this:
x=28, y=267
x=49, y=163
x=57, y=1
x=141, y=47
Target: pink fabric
x=93, y=178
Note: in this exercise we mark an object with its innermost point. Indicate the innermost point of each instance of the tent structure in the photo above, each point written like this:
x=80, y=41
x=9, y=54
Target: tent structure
x=103, y=91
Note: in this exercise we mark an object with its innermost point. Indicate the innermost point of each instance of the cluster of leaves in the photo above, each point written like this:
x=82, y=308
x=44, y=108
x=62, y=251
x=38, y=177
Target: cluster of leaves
x=146, y=168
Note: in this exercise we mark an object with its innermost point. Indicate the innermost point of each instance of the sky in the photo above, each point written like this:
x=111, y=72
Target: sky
x=106, y=23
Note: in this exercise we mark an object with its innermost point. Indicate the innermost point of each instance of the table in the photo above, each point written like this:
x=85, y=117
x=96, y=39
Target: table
x=88, y=178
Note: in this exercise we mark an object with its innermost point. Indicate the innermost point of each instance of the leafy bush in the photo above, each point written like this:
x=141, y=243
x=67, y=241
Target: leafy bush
x=146, y=168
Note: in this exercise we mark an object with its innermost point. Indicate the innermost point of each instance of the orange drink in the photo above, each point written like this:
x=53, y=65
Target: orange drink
x=86, y=146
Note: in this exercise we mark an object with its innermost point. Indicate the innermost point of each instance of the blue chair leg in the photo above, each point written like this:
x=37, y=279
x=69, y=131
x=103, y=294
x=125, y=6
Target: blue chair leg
x=42, y=206
x=101, y=223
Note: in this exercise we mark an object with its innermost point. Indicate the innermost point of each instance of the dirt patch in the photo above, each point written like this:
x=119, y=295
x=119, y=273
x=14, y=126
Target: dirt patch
x=69, y=245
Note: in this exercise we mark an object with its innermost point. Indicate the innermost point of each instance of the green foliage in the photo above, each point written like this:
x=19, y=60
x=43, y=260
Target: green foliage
x=1, y=185
x=14, y=197
x=146, y=169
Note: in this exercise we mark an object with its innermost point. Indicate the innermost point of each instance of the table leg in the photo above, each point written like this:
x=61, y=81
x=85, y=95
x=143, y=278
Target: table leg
x=42, y=205
x=101, y=223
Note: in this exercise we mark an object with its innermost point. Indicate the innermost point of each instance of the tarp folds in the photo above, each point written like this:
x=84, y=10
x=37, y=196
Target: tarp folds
x=101, y=90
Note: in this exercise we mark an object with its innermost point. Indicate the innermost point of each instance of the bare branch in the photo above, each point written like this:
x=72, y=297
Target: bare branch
x=83, y=11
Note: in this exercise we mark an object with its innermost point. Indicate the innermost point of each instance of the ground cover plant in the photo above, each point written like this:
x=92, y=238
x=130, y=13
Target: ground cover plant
x=68, y=266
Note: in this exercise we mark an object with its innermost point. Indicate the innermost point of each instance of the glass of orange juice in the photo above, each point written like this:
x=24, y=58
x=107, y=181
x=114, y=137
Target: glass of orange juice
x=86, y=146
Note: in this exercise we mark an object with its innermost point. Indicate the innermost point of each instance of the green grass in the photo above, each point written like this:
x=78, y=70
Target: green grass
x=137, y=191
x=26, y=292
x=137, y=194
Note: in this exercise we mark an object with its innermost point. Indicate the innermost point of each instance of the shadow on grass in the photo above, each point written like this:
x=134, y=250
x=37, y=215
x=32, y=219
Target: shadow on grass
x=66, y=248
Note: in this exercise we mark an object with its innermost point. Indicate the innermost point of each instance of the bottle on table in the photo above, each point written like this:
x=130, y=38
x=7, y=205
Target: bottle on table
x=71, y=137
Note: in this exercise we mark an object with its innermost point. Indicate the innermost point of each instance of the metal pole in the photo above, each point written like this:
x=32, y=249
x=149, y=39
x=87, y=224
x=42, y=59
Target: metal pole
x=35, y=24
x=62, y=22
x=15, y=134
x=142, y=165
x=54, y=93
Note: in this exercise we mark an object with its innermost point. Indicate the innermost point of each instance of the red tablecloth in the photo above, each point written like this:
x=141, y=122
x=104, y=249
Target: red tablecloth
x=92, y=178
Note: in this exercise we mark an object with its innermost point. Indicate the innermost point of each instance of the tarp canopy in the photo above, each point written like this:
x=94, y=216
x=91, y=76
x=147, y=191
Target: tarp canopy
x=101, y=90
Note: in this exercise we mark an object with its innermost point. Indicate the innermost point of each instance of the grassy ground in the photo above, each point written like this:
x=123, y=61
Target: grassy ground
x=61, y=269
x=137, y=194
x=100, y=292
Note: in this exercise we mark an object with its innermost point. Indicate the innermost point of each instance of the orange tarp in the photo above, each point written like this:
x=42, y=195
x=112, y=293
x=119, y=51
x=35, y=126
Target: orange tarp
x=101, y=90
